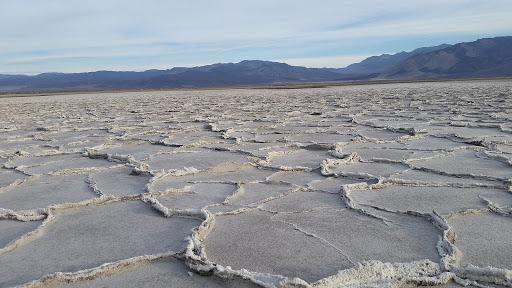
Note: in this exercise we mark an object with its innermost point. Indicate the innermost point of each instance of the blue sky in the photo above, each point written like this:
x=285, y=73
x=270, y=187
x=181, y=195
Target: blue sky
x=81, y=36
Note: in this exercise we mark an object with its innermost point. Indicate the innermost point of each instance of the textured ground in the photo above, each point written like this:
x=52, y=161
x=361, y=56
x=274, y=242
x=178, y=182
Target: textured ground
x=398, y=185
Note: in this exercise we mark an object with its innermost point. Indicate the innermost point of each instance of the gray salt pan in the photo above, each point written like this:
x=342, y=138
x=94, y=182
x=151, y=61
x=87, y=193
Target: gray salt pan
x=188, y=138
x=77, y=165
x=46, y=191
x=467, y=163
x=300, y=158
x=232, y=154
x=14, y=229
x=391, y=154
x=406, y=238
x=224, y=173
x=484, y=239
x=198, y=196
x=434, y=179
x=381, y=135
x=8, y=177
x=41, y=160
x=472, y=133
x=199, y=160
x=319, y=138
x=331, y=184
x=119, y=182
x=9, y=147
x=434, y=144
x=304, y=201
x=425, y=199
x=94, y=235
x=139, y=150
x=253, y=193
x=376, y=169
x=165, y=272
x=258, y=242
x=299, y=178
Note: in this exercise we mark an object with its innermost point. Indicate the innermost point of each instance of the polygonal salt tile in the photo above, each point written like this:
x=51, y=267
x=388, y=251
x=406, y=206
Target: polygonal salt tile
x=419, y=176
x=484, y=239
x=404, y=239
x=424, y=199
x=304, y=201
x=468, y=163
x=120, y=182
x=376, y=169
x=47, y=190
x=299, y=178
x=257, y=242
x=8, y=177
x=76, y=164
x=227, y=172
x=300, y=158
x=41, y=160
x=252, y=193
x=165, y=272
x=198, y=160
x=12, y=230
x=86, y=237
x=199, y=196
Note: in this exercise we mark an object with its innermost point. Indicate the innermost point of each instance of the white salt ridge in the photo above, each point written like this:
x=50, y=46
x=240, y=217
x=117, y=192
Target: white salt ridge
x=226, y=157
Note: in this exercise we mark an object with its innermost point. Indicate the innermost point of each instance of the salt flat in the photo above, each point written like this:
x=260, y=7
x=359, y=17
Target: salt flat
x=389, y=185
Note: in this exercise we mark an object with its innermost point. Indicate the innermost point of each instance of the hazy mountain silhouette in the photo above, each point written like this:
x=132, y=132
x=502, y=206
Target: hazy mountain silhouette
x=490, y=57
x=484, y=58
x=379, y=64
x=248, y=72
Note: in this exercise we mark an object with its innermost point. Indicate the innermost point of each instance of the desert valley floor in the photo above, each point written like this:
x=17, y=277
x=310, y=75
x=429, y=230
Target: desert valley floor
x=389, y=185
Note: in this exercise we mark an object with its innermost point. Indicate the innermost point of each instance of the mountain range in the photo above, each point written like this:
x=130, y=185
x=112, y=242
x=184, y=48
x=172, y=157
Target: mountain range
x=484, y=58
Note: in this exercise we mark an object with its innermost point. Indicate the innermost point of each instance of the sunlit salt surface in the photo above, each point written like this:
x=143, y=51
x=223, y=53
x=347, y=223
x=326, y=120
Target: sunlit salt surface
x=397, y=185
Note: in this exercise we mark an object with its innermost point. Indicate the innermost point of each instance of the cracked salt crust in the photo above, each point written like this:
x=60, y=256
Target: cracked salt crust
x=397, y=185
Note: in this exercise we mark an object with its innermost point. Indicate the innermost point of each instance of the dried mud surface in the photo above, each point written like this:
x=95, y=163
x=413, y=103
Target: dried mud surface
x=397, y=185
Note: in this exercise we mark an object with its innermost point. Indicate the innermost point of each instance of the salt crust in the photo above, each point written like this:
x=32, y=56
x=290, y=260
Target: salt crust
x=470, y=122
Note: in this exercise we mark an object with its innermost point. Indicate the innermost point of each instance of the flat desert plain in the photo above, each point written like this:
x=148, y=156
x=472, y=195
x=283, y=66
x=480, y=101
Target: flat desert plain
x=388, y=185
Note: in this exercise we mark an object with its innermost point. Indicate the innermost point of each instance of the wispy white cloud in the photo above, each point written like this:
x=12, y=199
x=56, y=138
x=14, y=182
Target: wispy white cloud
x=46, y=32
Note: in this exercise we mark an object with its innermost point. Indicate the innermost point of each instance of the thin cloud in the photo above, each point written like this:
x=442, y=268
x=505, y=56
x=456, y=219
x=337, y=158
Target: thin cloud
x=50, y=32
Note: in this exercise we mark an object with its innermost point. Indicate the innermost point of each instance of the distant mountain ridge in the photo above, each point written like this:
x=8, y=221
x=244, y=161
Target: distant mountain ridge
x=379, y=64
x=484, y=58
x=489, y=57
x=247, y=72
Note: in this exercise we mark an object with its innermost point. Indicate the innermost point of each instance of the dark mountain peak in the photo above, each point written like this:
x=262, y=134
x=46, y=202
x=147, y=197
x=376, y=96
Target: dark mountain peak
x=261, y=63
x=486, y=57
x=378, y=64
x=50, y=74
